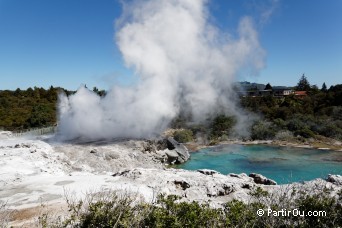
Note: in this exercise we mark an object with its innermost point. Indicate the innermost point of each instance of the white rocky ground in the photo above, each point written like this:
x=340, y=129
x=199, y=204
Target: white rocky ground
x=35, y=172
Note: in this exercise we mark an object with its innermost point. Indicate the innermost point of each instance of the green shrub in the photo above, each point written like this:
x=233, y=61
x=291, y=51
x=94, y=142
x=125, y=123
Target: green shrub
x=222, y=125
x=263, y=130
x=305, y=132
x=169, y=213
x=284, y=135
x=123, y=211
x=183, y=136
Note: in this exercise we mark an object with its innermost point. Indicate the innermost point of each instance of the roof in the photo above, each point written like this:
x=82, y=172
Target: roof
x=300, y=93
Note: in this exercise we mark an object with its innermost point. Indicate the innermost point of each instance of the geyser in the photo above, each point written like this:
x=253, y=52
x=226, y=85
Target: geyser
x=184, y=63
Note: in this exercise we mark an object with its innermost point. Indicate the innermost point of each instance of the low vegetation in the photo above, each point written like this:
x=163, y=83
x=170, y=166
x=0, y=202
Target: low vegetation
x=221, y=126
x=183, y=136
x=114, y=210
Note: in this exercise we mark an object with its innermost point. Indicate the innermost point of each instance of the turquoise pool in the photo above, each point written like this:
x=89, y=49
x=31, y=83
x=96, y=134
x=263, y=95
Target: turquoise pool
x=282, y=164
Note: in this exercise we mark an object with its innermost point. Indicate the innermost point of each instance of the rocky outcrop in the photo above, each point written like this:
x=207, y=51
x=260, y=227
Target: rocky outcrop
x=207, y=171
x=201, y=186
x=177, y=153
x=335, y=179
x=5, y=134
x=260, y=179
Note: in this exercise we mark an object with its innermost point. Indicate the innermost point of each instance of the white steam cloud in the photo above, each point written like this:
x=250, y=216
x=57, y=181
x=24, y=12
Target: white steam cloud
x=184, y=64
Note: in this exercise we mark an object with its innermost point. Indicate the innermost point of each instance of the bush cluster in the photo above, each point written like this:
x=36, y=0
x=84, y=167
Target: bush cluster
x=221, y=125
x=167, y=211
x=183, y=136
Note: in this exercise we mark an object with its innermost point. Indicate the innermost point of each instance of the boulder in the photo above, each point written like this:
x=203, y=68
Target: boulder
x=182, y=184
x=241, y=175
x=172, y=156
x=207, y=171
x=93, y=151
x=260, y=179
x=177, y=152
x=335, y=179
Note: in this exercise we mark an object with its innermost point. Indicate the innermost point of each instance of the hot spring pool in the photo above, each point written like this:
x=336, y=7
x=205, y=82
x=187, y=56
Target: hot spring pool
x=282, y=164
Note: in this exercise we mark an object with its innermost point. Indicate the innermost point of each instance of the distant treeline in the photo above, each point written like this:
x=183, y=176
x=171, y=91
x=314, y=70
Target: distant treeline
x=317, y=113
x=31, y=108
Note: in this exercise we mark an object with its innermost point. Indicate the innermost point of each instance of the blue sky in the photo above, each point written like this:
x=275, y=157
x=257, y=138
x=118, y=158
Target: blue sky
x=68, y=43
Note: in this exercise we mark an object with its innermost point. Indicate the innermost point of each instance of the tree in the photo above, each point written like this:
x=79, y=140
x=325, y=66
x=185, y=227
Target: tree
x=268, y=86
x=17, y=92
x=314, y=89
x=41, y=116
x=303, y=84
x=222, y=125
x=183, y=136
x=324, y=87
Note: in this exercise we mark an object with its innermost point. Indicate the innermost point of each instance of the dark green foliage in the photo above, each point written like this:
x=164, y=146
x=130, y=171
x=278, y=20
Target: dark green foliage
x=101, y=93
x=303, y=84
x=31, y=108
x=179, y=122
x=305, y=132
x=113, y=210
x=335, y=95
x=268, y=86
x=263, y=130
x=170, y=213
x=23, y=109
x=319, y=113
x=183, y=136
x=320, y=202
x=108, y=213
x=222, y=125
x=42, y=115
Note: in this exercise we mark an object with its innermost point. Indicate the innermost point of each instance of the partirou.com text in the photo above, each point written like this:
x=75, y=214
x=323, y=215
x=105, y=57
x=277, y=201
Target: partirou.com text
x=292, y=212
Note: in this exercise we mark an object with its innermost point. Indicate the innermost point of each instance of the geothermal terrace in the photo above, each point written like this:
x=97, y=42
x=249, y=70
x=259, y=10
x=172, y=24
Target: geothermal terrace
x=40, y=171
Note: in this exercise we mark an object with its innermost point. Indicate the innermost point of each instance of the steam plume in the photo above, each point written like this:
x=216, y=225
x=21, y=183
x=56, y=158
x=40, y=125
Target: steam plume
x=184, y=63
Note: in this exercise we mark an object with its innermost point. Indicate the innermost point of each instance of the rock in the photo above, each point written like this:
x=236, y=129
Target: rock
x=149, y=146
x=336, y=179
x=24, y=145
x=172, y=156
x=111, y=156
x=122, y=173
x=241, y=175
x=219, y=189
x=260, y=179
x=246, y=186
x=93, y=151
x=207, y=171
x=176, y=148
x=172, y=143
x=183, y=184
